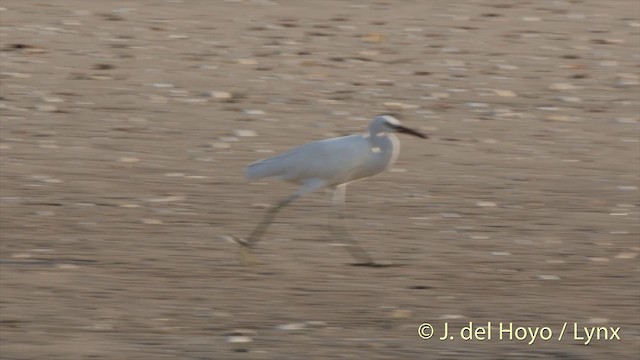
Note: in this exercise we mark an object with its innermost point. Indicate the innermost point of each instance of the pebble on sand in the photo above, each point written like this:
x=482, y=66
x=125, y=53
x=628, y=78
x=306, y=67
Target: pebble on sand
x=505, y=93
x=548, y=277
x=239, y=339
x=486, y=204
x=399, y=105
x=152, y=221
x=292, y=326
x=244, y=133
x=401, y=314
x=563, y=86
x=626, y=255
x=222, y=95
x=46, y=108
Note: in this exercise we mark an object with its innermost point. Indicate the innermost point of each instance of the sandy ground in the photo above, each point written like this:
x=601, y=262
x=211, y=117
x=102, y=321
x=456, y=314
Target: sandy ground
x=126, y=127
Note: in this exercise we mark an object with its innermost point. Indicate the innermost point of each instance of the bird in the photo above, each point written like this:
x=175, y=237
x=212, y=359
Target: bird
x=331, y=164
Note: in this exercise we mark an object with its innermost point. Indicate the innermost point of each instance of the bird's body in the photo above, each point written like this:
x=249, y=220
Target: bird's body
x=334, y=161
x=331, y=163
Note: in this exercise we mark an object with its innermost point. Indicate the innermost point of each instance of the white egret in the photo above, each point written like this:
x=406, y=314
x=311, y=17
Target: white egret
x=332, y=164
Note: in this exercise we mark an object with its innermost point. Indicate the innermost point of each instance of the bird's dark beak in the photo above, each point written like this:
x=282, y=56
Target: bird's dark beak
x=406, y=130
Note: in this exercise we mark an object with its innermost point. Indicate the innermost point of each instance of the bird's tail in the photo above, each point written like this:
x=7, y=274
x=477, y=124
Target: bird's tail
x=263, y=169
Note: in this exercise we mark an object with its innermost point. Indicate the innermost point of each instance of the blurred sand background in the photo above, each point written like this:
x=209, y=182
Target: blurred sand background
x=126, y=127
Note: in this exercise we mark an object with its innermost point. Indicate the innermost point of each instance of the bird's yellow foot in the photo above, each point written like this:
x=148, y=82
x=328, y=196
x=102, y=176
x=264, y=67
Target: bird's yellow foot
x=246, y=256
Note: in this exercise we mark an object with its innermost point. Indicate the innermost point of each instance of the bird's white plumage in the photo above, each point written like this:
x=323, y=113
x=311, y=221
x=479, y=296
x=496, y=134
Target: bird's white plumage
x=335, y=161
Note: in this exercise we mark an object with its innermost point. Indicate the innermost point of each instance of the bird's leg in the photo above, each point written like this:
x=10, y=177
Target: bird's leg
x=263, y=225
x=339, y=228
x=246, y=256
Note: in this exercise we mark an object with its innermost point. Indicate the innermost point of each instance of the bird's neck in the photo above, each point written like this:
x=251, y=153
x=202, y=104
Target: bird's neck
x=379, y=139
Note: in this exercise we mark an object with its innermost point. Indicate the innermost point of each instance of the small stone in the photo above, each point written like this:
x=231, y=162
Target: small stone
x=67, y=266
x=46, y=108
x=451, y=316
x=373, y=38
x=506, y=67
x=486, y=204
x=178, y=36
x=247, y=61
x=254, y=112
x=505, y=93
x=500, y=253
x=477, y=105
x=531, y=18
x=627, y=188
x=51, y=99
x=222, y=95
x=219, y=145
x=399, y=105
x=401, y=314
x=440, y=95
x=450, y=215
x=563, y=86
x=229, y=138
x=599, y=259
x=152, y=221
x=598, y=320
x=244, y=133
x=239, y=339
x=626, y=255
x=168, y=198
x=560, y=118
x=128, y=159
x=52, y=181
x=163, y=85
x=292, y=326
x=570, y=99
x=397, y=170
x=555, y=261
x=548, y=277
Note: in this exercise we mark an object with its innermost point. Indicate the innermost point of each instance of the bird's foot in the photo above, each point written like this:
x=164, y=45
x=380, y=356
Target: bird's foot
x=246, y=257
x=236, y=239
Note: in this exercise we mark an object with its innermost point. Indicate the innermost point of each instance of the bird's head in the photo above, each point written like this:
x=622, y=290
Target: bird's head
x=388, y=123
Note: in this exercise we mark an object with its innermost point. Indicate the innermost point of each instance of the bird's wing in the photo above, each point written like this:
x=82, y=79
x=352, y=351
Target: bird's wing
x=336, y=160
